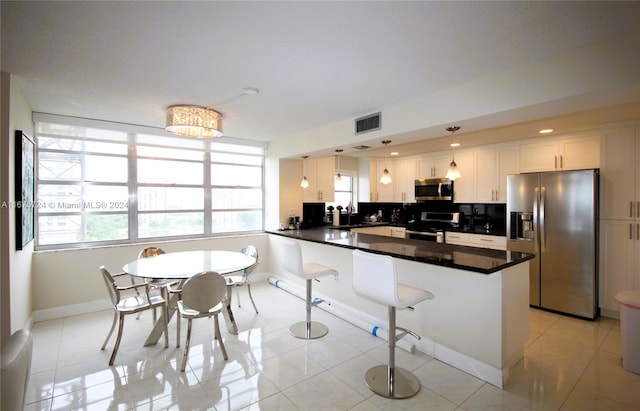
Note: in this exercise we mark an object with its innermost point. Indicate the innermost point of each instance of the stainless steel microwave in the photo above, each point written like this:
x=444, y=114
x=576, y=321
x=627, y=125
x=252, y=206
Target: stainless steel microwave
x=433, y=189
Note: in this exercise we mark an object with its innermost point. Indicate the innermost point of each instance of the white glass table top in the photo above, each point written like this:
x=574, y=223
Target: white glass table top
x=184, y=264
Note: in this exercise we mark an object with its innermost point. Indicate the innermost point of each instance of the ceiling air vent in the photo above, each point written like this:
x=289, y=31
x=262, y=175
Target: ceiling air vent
x=368, y=123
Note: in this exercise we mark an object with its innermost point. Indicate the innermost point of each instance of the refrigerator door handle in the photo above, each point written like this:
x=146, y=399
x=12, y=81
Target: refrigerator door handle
x=536, y=217
x=543, y=246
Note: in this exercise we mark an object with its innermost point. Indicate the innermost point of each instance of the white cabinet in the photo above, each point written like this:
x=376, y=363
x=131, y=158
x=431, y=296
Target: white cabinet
x=620, y=173
x=491, y=170
x=619, y=212
x=619, y=260
x=434, y=165
x=464, y=187
x=385, y=230
x=381, y=192
x=508, y=163
x=476, y=240
x=560, y=154
x=320, y=174
x=398, y=232
x=404, y=176
x=376, y=230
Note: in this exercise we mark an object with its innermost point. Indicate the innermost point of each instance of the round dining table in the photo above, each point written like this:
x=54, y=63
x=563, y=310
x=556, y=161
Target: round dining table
x=183, y=265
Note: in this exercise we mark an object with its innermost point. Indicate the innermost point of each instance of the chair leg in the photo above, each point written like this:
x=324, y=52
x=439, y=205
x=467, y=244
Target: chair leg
x=251, y=297
x=178, y=330
x=117, y=345
x=186, y=347
x=113, y=326
x=308, y=329
x=218, y=337
x=388, y=380
x=165, y=315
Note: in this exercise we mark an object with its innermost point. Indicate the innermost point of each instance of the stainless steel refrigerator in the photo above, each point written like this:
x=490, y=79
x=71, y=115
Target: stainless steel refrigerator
x=554, y=216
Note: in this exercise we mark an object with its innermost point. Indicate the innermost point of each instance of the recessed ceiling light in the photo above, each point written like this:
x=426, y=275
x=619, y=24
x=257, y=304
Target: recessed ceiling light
x=455, y=144
x=546, y=131
x=393, y=153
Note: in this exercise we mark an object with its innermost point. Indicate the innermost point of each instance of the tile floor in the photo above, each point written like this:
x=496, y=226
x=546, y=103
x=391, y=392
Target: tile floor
x=569, y=364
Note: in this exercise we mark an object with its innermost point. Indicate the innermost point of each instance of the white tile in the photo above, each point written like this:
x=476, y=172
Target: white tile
x=489, y=398
x=287, y=370
x=323, y=392
x=276, y=402
x=448, y=382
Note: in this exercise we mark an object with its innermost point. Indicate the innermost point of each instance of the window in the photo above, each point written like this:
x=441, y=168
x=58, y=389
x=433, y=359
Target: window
x=344, y=191
x=100, y=186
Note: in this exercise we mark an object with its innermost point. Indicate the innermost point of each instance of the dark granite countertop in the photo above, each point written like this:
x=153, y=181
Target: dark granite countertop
x=480, y=260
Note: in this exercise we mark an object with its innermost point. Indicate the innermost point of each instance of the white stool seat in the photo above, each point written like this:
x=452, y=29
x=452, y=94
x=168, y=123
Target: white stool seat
x=408, y=296
x=315, y=270
x=375, y=278
x=308, y=271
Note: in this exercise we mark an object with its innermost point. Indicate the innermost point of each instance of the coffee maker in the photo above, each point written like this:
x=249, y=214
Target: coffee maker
x=294, y=222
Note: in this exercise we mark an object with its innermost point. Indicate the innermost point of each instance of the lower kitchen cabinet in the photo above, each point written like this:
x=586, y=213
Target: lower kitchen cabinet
x=385, y=230
x=476, y=240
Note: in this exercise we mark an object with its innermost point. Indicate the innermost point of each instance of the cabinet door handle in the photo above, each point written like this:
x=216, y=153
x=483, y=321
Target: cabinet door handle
x=637, y=231
x=556, y=162
x=638, y=209
x=561, y=162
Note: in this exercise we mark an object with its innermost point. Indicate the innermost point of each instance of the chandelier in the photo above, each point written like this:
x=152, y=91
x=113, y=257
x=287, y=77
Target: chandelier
x=194, y=121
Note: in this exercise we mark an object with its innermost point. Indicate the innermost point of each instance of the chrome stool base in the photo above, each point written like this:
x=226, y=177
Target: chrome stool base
x=402, y=384
x=315, y=330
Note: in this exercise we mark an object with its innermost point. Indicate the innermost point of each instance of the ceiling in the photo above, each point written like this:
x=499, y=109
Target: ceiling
x=314, y=63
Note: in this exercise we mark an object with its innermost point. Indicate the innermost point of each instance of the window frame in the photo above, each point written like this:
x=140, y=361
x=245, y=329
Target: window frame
x=137, y=136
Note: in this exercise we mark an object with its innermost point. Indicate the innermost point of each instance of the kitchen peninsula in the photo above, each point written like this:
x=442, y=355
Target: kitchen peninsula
x=478, y=321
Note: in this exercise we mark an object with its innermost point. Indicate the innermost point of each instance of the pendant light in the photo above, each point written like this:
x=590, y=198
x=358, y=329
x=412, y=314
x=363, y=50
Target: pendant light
x=304, y=183
x=338, y=176
x=386, y=177
x=452, y=171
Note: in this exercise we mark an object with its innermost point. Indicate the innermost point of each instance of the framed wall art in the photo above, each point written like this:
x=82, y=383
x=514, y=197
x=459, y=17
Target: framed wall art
x=24, y=189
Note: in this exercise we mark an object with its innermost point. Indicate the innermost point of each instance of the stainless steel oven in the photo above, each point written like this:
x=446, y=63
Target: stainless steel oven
x=432, y=225
x=433, y=189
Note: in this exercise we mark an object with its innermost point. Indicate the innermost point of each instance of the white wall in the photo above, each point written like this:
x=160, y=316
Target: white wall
x=67, y=282
x=16, y=265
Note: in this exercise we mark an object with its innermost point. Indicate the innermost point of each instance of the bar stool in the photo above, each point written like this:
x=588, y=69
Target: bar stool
x=309, y=271
x=375, y=278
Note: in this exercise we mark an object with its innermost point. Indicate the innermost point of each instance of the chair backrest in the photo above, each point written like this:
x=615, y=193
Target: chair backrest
x=112, y=286
x=204, y=291
x=292, y=259
x=375, y=278
x=250, y=251
x=150, y=252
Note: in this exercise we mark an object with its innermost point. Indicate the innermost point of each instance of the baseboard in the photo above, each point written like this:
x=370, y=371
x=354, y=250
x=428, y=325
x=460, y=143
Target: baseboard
x=70, y=310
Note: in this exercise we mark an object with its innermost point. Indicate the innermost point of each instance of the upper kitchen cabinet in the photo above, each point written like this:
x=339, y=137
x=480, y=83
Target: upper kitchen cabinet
x=492, y=166
x=434, y=165
x=464, y=187
x=552, y=154
x=620, y=172
x=381, y=192
x=320, y=174
x=405, y=172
